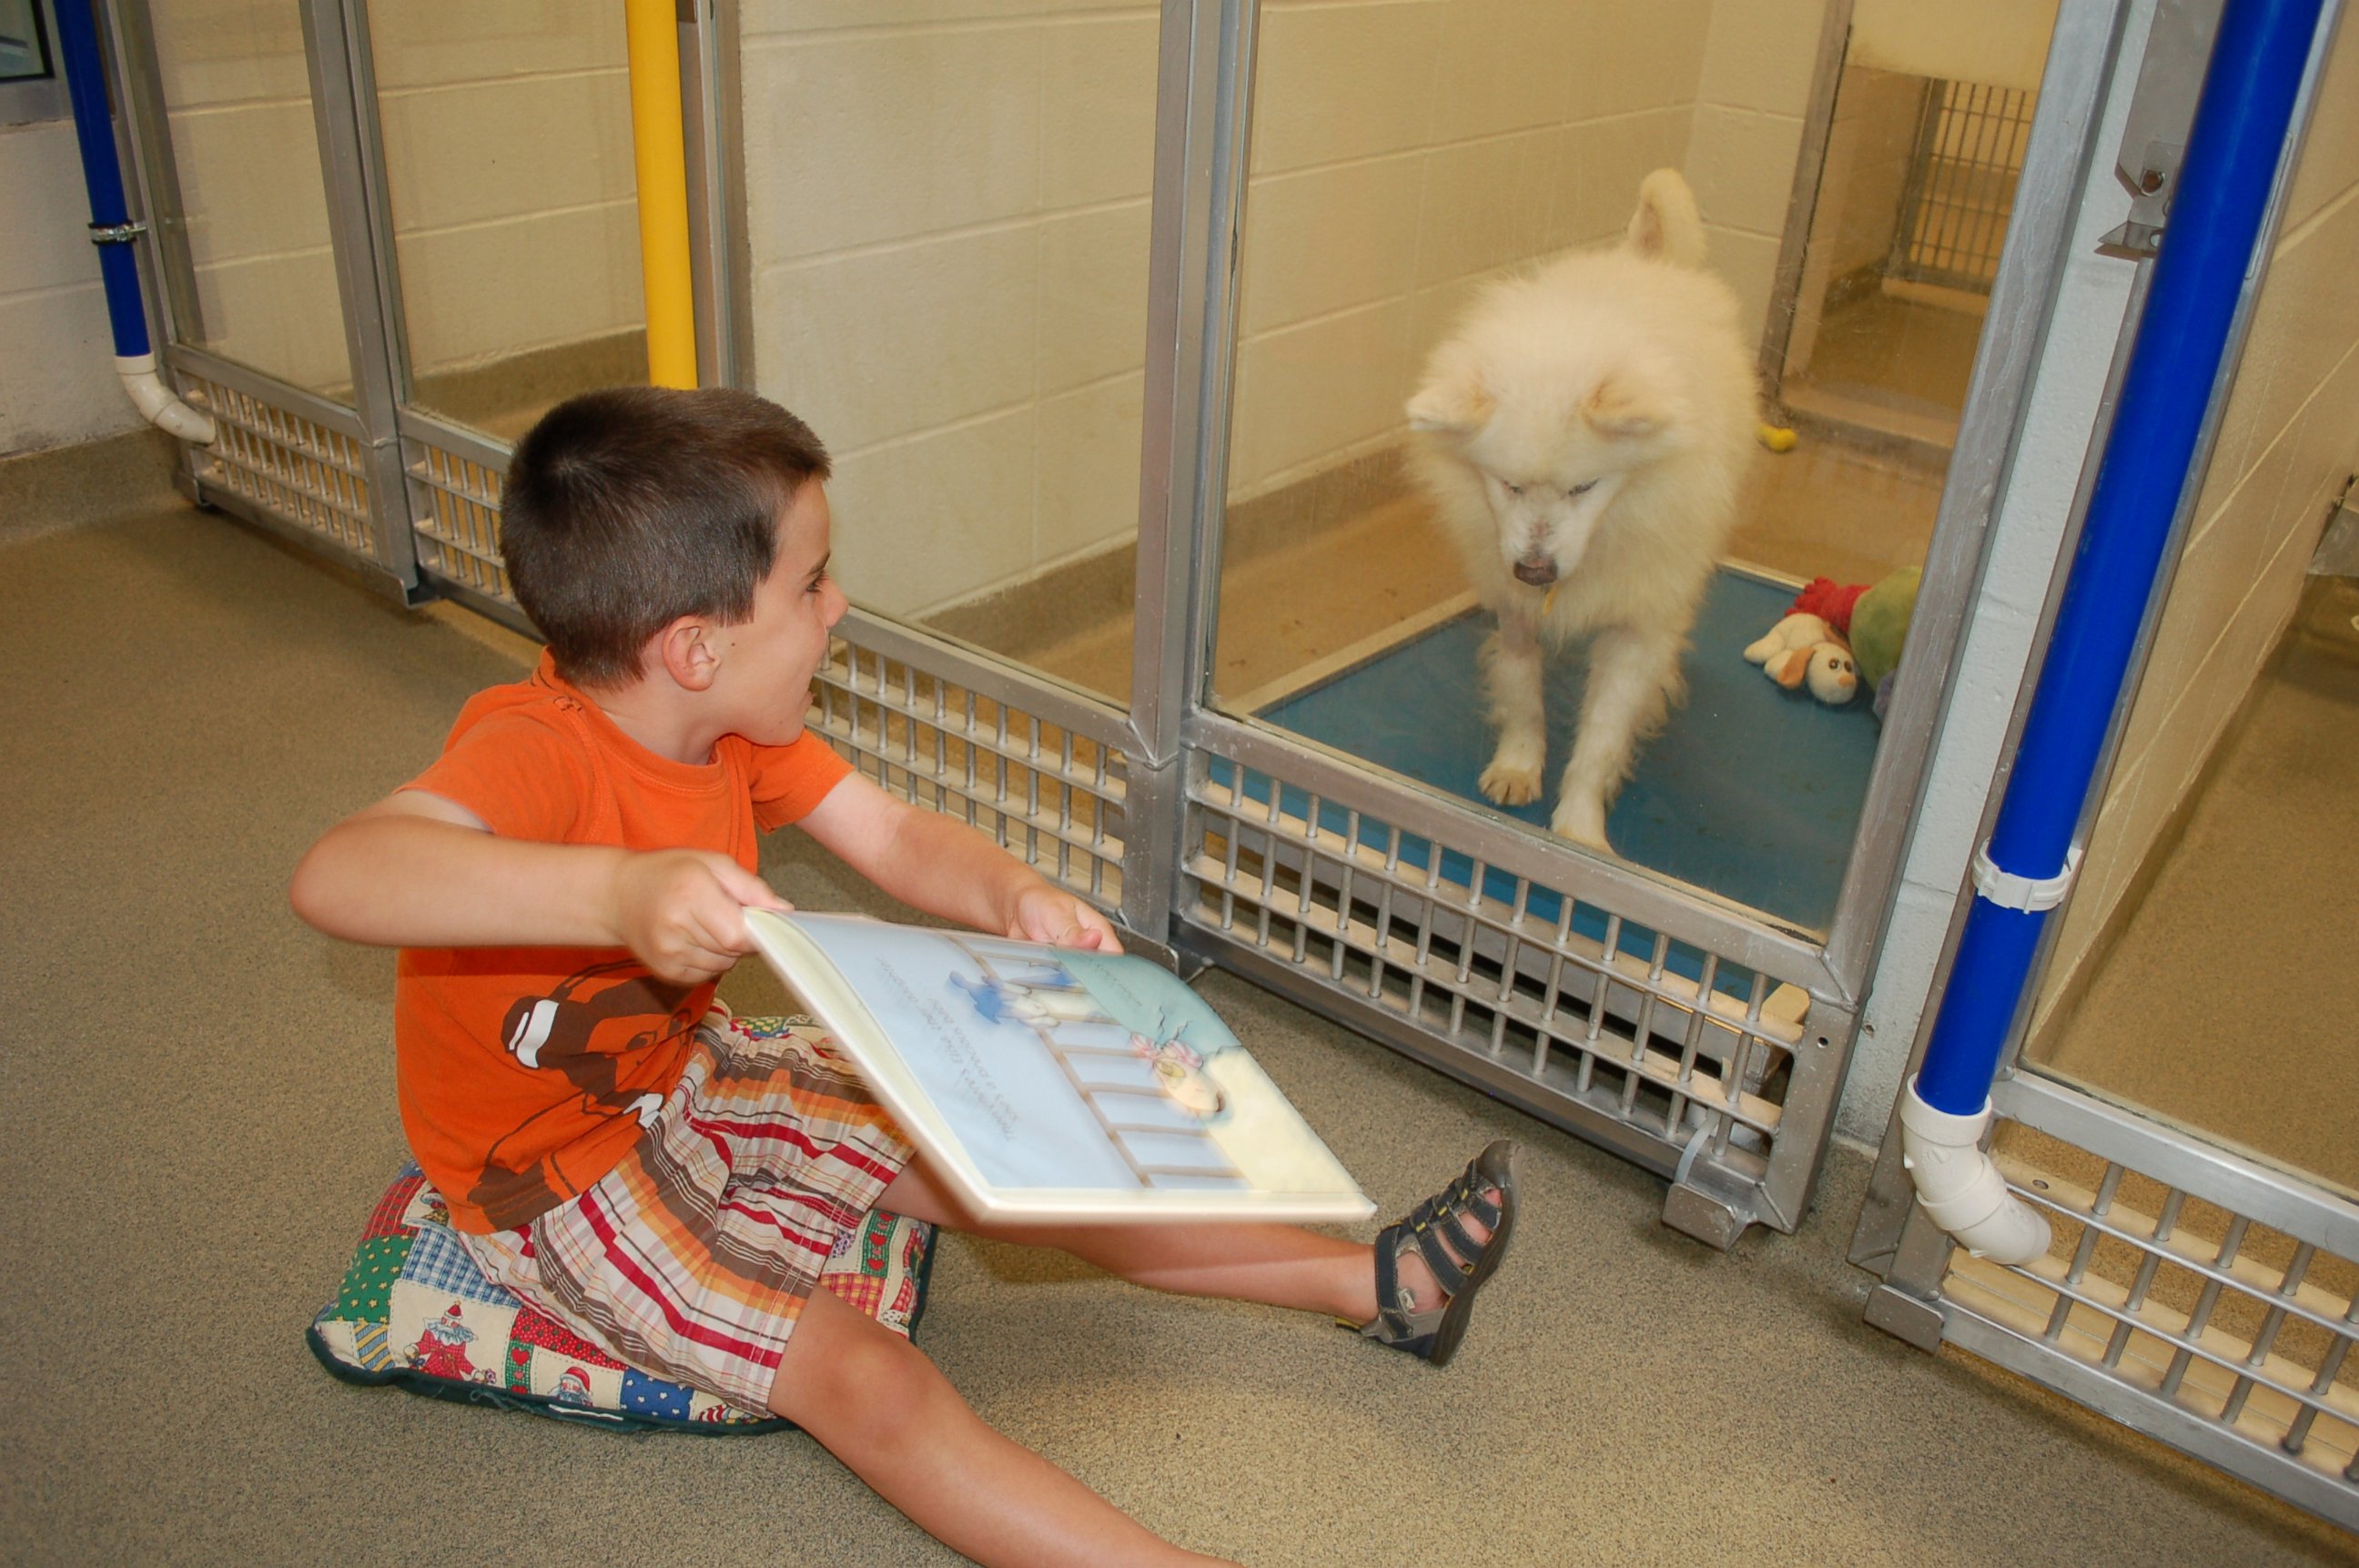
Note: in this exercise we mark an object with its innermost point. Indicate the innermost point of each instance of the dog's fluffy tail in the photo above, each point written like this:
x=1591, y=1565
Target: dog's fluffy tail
x=1666, y=223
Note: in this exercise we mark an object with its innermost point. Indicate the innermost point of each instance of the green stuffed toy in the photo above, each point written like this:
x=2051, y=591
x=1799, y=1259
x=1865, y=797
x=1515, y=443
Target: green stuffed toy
x=1879, y=626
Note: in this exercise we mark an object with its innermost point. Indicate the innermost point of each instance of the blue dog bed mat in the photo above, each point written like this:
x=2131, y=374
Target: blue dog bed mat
x=1751, y=791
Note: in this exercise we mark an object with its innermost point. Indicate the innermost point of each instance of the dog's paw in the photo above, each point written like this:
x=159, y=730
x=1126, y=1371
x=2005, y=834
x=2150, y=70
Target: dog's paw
x=1583, y=820
x=1510, y=785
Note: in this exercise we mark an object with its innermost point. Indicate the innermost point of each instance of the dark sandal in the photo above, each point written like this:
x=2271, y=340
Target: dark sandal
x=1460, y=1264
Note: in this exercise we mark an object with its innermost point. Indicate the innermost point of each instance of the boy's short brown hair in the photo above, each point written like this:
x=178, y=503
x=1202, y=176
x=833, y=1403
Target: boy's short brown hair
x=629, y=507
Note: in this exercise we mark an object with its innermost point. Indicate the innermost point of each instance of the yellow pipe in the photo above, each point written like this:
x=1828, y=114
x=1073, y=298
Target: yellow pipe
x=652, y=27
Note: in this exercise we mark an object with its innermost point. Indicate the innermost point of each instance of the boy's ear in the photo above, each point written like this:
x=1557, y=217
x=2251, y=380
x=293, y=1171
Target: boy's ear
x=687, y=652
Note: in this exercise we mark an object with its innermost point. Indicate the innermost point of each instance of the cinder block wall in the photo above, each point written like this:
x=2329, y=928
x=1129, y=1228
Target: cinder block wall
x=508, y=151
x=239, y=105
x=508, y=148
x=1403, y=154
x=57, y=353
x=1756, y=87
x=949, y=227
x=1869, y=147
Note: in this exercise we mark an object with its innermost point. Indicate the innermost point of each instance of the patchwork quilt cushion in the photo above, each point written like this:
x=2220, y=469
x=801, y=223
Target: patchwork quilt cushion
x=416, y=1312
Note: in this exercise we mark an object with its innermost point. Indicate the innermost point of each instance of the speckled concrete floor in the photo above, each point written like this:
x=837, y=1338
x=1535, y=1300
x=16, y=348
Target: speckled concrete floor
x=204, y=1114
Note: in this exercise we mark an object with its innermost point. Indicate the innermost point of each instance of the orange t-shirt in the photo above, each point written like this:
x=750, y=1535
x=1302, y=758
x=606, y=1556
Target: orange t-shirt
x=526, y=1074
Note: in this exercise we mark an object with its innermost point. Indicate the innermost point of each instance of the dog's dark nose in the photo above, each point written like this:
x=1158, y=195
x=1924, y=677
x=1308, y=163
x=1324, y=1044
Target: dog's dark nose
x=1538, y=574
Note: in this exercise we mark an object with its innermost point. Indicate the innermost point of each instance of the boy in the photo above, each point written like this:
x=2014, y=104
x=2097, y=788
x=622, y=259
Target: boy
x=567, y=882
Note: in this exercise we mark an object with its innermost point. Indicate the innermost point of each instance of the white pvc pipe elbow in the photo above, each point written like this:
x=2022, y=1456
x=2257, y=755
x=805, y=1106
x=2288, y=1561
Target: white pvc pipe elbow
x=156, y=402
x=1961, y=1188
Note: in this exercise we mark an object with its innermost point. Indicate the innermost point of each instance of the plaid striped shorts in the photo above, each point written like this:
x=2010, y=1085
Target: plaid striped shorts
x=692, y=1259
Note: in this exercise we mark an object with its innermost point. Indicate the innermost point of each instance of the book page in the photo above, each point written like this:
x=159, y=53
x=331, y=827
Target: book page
x=1057, y=1071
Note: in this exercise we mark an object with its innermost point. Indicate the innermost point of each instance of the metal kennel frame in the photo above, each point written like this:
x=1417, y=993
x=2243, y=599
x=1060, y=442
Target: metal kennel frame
x=1641, y=1015
x=1704, y=1040
x=2202, y=1298
x=2190, y=1292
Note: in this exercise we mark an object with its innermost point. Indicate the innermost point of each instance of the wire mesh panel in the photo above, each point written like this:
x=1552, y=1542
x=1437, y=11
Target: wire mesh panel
x=1961, y=188
x=958, y=737
x=455, y=513
x=2183, y=1310
x=1682, y=1055
x=300, y=471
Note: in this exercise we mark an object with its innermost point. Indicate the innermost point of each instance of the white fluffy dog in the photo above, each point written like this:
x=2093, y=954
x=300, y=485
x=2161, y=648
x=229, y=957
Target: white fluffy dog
x=1583, y=432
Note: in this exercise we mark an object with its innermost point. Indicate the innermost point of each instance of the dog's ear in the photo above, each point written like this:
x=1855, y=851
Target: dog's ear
x=1621, y=407
x=1666, y=223
x=1456, y=403
x=1644, y=233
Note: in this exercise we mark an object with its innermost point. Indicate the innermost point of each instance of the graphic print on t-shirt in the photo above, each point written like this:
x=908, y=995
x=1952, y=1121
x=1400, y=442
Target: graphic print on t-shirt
x=588, y=1022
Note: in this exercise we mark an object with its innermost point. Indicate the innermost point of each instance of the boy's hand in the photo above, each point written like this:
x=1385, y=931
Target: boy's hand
x=1045, y=913
x=682, y=911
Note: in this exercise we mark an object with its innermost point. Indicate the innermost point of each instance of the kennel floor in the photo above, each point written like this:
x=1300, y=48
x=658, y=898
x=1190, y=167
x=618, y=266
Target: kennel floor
x=1751, y=792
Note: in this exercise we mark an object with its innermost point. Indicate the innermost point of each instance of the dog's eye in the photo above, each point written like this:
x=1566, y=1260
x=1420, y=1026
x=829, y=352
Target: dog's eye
x=1583, y=488
x=1513, y=489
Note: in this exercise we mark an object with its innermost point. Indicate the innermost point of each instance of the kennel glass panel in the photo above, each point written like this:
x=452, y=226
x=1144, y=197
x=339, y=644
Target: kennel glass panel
x=251, y=274
x=1350, y=607
x=1961, y=180
x=507, y=137
x=947, y=224
x=2220, y=883
x=1891, y=266
x=2226, y=905
x=24, y=41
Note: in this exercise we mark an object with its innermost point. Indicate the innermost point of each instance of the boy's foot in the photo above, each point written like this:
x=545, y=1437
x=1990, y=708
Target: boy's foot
x=1430, y=1265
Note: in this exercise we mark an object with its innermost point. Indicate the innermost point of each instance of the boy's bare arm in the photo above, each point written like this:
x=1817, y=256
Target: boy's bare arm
x=417, y=870
x=947, y=869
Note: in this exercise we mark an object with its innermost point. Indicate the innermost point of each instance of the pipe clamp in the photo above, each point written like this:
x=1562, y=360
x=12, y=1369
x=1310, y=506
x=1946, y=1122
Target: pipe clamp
x=116, y=233
x=2032, y=894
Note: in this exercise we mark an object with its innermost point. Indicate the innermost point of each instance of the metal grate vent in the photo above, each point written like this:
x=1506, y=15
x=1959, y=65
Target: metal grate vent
x=1588, y=1010
x=456, y=517
x=1961, y=189
x=1047, y=790
x=2244, y=1330
x=296, y=469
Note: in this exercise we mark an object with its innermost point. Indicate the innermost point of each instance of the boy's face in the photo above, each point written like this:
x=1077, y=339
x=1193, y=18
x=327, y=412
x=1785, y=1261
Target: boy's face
x=769, y=659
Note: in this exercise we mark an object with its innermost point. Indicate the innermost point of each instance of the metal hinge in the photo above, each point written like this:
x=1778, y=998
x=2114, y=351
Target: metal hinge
x=2162, y=108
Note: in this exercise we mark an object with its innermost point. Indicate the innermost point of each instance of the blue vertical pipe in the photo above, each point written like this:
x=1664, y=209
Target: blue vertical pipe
x=2242, y=120
x=101, y=171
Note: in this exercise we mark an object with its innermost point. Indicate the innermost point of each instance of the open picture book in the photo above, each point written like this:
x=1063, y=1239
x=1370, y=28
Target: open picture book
x=1055, y=1083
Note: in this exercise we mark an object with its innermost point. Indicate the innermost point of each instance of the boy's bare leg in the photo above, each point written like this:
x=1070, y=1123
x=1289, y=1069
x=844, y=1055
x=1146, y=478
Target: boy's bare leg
x=874, y=1401
x=1279, y=1265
